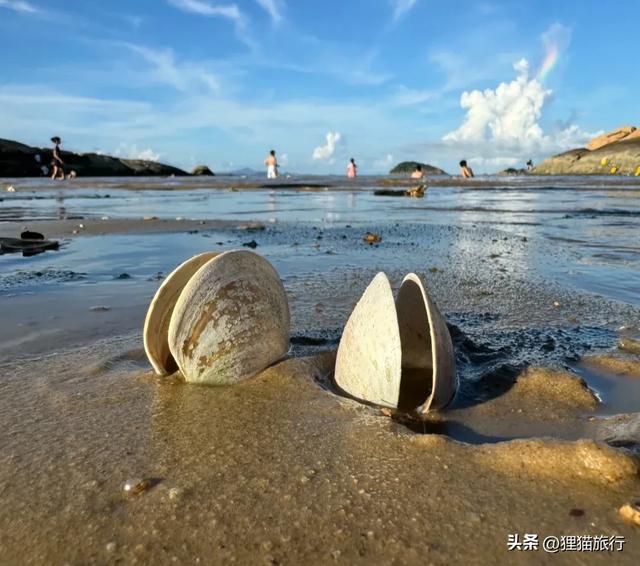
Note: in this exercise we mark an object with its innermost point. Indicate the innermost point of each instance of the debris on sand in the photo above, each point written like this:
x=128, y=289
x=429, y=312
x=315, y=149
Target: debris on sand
x=631, y=512
x=372, y=238
x=136, y=485
x=252, y=244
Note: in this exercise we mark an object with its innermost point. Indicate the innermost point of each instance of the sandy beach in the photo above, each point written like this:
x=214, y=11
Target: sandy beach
x=539, y=288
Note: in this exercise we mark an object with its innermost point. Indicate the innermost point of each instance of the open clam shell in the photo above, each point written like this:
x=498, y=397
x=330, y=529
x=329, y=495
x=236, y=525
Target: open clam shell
x=156, y=324
x=230, y=321
x=399, y=353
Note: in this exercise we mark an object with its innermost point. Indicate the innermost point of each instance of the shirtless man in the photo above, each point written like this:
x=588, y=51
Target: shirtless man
x=56, y=161
x=465, y=170
x=272, y=165
x=418, y=173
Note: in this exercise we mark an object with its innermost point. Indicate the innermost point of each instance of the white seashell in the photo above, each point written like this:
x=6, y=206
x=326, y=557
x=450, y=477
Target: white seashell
x=156, y=324
x=231, y=320
x=397, y=354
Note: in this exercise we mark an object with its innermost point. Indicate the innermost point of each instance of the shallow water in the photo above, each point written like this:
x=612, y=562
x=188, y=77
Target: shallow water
x=594, y=221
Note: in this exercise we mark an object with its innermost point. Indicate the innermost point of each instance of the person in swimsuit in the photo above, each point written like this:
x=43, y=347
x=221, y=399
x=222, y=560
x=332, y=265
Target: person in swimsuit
x=272, y=165
x=418, y=173
x=352, y=169
x=465, y=170
x=56, y=161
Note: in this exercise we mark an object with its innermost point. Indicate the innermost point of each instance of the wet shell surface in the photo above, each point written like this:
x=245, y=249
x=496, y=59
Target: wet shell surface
x=230, y=321
x=397, y=354
x=156, y=324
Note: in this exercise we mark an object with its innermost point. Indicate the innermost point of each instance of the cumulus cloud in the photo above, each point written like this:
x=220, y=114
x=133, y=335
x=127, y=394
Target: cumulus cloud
x=131, y=151
x=401, y=8
x=504, y=122
x=326, y=151
x=273, y=8
x=18, y=6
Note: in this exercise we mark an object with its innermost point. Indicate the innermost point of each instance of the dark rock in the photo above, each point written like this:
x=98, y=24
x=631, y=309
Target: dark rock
x=408, y=167
x=29, y=235
x=202, y=171
x=252, y=244
x=26, y=247
x=19, y=160
x=510, y=172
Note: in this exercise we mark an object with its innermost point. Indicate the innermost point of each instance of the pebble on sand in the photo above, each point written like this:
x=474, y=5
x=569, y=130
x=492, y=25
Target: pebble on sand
x=135, y=486
x=372, y=238
x=631, y=512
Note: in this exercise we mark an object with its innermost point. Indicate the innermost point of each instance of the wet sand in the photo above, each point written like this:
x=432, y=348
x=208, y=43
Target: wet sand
x=281, y=469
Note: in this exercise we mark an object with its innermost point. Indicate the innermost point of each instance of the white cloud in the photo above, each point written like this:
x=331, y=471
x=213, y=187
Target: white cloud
x=131, y=151
x=230, y=11
x=504, y=123
x=401, y=8
x=404, y=96
x=323, y=152
x=273, y=8
x=182, y=76
x=383, y=163
x=19, y=6
x=210, y=9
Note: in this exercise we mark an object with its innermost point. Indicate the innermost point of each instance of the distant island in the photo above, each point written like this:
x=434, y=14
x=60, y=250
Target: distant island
x=408, y=167
x=20, y=160
x=614, y=153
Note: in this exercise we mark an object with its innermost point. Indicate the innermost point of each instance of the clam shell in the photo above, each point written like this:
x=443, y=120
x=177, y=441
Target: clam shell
x=368, y=364
x=156, y=324
x=231, y=320
x=428, y=360
x=397, y=354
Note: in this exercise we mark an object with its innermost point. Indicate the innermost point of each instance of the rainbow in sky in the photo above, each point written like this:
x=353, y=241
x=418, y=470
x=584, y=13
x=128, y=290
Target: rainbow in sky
x=549, y=61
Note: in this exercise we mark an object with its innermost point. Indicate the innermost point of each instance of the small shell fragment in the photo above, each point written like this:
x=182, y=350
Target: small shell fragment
x=134, y=486
x=631, y=512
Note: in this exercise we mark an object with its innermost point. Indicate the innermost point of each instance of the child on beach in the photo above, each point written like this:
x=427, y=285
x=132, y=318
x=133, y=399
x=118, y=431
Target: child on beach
x=465, y=170
x=56, y=161
x=352, y=169
x=272, y=165
x=418, y=173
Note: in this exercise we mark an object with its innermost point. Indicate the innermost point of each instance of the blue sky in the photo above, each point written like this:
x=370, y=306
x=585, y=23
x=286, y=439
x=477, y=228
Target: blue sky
x=222, y=82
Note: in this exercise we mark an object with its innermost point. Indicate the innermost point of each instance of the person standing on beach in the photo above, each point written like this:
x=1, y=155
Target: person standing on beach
x=465, y=170
x=56, y=161
x=352, y=169
x=272, y=165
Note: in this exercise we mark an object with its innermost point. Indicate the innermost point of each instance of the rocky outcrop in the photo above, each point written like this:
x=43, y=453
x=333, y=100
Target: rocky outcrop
x=20, y=160
x=408, y=167
x=202, y=171
x=623, y=133
x=617, y=158
x=511, y=171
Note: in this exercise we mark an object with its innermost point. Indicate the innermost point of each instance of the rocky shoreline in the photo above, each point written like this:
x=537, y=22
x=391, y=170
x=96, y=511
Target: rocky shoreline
x=600, y=157
x=20, y=160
